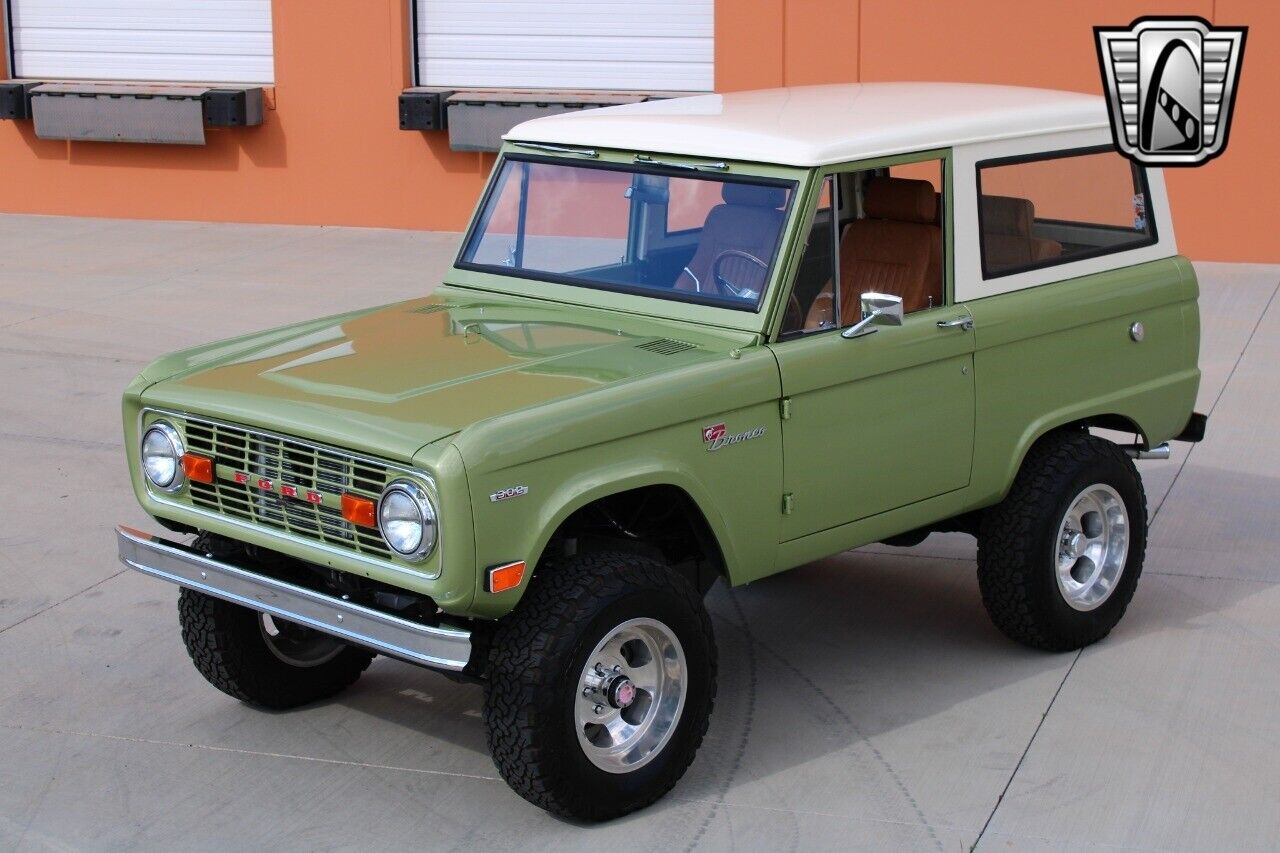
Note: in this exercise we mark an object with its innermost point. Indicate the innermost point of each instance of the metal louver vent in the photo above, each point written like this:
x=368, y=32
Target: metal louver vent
x=431, y=309
x=666, y=346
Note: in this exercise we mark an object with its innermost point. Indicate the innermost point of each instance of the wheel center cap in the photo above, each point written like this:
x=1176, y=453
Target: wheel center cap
x=1075, y=543
x=622, y=693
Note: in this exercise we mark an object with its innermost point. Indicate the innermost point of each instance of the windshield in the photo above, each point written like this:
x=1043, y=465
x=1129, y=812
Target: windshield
x=690, y=236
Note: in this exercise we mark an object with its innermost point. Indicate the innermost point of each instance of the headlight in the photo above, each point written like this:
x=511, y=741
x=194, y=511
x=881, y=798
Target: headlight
x=162, y=456
x=407, y=520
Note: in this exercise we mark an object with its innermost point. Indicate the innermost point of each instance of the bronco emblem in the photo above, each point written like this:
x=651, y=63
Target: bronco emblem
x=717, y=436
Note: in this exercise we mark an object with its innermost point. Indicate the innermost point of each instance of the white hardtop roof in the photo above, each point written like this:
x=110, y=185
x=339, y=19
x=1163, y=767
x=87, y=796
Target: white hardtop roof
x=819, y=125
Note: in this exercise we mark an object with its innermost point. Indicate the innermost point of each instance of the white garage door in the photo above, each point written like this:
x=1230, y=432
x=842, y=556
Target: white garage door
x=567, y=44
x=208, y=41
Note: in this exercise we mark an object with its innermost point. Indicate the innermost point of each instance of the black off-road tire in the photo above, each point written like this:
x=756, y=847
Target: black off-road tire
x=538, y=654
x=1017, y=538
x=227, y=646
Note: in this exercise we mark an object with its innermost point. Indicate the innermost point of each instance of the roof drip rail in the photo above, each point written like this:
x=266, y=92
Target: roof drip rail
x=696, y=167
x=559, y=149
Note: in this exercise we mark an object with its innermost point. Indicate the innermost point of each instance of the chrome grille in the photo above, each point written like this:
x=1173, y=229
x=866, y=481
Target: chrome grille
x=285, y=461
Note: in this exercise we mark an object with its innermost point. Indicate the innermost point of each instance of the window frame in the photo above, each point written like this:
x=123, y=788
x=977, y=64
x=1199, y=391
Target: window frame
x=483, y=214
x=1140, y=183
x=945, y=217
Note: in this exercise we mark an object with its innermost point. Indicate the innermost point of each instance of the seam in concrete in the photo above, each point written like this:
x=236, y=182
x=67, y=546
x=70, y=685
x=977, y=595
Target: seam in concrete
x=77, y=356
x=49, y=607
x=1212, y=578
x=1023, y=757
x=253, y=752
x=57, y=439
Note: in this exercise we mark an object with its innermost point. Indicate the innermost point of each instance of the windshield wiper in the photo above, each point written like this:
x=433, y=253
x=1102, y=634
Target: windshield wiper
x=559, y=149
x=696, y=167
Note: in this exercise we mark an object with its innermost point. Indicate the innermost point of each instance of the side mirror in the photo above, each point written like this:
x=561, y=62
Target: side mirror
x=877, y=308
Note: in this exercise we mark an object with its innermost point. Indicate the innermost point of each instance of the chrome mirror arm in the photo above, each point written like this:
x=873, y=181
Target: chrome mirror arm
x=863, y=326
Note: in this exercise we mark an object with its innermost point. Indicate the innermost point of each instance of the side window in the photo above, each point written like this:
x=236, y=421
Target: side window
x=1052, y=209
x=811, y=306
x=929, y=214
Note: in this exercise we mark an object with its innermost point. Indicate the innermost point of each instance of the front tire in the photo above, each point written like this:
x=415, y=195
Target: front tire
x=1059, y=558
x=266, y=662
x=600, y=686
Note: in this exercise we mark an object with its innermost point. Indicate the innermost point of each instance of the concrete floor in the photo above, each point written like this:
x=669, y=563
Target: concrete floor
x=865, y=701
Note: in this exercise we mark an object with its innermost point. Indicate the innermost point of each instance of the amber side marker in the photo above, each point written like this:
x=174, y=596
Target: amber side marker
x=505, y=577
x=361, y=511
x=198, y=468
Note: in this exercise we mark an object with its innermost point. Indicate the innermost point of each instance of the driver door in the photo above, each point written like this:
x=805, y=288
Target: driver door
x=880, y=421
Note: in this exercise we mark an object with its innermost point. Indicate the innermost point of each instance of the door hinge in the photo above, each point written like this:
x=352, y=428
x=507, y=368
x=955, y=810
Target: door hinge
x=784, y=408
x=788, y=501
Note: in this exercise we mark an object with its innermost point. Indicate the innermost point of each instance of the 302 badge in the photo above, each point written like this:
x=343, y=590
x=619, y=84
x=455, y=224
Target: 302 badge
x=508, y=493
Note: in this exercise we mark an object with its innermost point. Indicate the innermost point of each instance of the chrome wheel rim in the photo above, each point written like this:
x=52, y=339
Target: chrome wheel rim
x=1092, y=546
x=631, y=693
x=297, y=645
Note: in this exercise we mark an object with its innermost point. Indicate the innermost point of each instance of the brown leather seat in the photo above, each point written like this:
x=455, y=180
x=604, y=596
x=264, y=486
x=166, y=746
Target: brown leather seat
x=896, y=249
x=1007, y=239
x=750, y=220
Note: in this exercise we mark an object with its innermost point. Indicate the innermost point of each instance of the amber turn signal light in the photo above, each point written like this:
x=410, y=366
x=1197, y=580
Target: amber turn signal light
x=505, y=577
x=361, y=511
x=199, y=469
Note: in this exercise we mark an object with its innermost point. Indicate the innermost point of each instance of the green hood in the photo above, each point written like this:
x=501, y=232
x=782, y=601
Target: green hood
x=391, y=380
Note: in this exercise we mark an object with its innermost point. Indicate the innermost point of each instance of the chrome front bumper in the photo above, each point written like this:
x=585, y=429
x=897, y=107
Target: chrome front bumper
x=436, y=647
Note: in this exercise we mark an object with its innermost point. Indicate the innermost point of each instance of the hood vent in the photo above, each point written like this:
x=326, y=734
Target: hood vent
x=431, y=309
x=666, y=346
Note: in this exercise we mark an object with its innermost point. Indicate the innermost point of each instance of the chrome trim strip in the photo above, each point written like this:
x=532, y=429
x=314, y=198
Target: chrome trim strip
x=559, y=149
x=436, y=647
x=285, y=536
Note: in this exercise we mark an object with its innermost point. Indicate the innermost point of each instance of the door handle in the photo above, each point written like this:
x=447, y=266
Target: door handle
x=963, y=323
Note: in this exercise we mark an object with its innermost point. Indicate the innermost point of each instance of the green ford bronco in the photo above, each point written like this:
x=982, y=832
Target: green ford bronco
x=706, y=338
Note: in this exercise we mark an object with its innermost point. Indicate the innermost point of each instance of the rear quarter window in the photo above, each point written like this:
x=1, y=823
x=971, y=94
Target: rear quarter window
x=1041, y=210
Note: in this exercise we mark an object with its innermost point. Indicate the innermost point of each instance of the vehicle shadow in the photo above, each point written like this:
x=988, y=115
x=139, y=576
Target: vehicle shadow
x=824, y=671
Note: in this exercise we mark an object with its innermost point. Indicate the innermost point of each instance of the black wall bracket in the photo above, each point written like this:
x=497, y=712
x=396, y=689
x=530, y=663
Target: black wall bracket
x=424, y=109
x=15, y=98
x=232, y=107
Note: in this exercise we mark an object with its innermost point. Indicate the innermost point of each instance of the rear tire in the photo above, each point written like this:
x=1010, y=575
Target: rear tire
x=266, y=662
x=1059, y=558
x=591, y=742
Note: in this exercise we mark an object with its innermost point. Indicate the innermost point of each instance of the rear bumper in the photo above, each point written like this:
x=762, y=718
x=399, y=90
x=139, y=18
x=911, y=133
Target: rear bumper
x=435, y=647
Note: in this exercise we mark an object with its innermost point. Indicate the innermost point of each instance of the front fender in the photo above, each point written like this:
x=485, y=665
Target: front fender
x=650, y=433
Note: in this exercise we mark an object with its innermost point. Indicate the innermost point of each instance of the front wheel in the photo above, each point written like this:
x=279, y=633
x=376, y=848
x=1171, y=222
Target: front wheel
x=1059, y=558
x=600, y=686
x=264, y=661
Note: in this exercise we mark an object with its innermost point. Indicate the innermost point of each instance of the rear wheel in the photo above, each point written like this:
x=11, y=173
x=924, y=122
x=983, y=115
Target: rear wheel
x=262, y=660
x=1059, y=558
x=600, y=686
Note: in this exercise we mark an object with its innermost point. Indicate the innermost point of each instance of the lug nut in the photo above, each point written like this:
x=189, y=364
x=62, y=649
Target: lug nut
x=599, y=709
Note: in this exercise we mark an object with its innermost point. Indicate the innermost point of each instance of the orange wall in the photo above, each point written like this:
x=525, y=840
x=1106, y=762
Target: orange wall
x=331, y=152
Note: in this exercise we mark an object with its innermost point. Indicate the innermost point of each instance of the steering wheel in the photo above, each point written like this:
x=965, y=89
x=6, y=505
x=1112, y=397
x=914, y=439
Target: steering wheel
x=737, y=263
